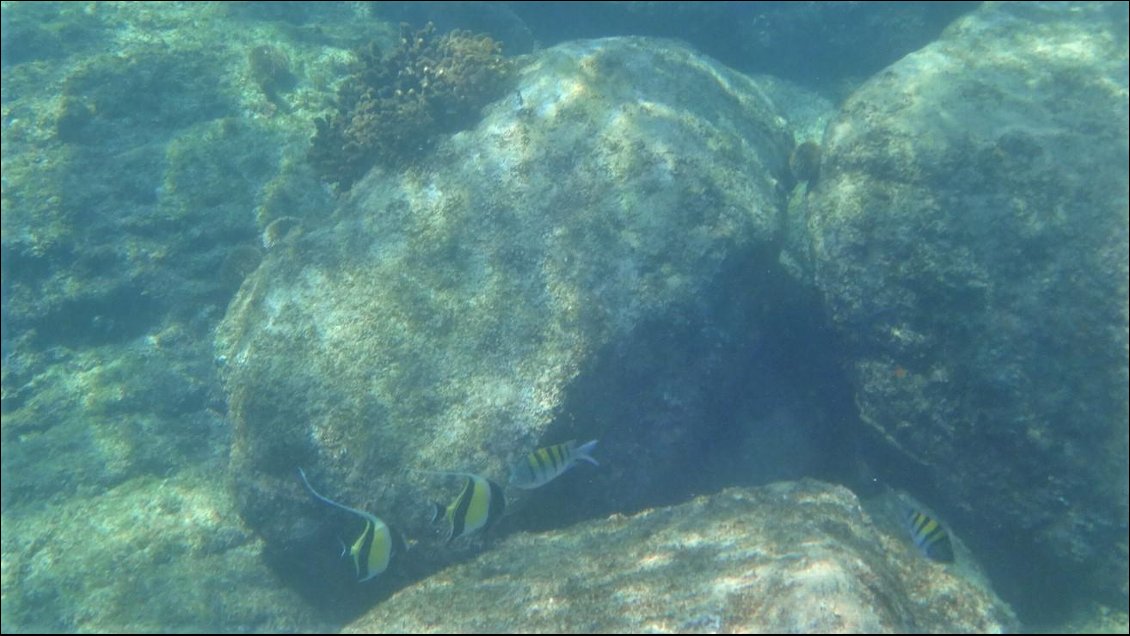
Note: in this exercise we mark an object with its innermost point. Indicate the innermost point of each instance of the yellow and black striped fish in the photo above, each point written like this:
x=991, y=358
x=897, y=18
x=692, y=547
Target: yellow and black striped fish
x=374, y=548
x=546, y=464
x=479, y=504
x=929, y=535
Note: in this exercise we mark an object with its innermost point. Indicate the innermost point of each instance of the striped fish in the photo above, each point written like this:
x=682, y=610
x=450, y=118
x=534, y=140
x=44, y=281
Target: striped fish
x=546, y=464
x=929, y=535
x=478, y=506
x=373, y=550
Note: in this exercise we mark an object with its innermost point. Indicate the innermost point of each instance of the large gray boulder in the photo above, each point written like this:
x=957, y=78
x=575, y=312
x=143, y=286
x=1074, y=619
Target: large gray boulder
x=969, y=232
x=793, y=557
x=510, y=293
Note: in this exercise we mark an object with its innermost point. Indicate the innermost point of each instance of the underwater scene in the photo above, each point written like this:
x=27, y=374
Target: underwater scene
x=678, y=317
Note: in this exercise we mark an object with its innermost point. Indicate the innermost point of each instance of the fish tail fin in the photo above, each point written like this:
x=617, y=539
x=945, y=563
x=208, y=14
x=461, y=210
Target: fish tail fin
x=582, y=452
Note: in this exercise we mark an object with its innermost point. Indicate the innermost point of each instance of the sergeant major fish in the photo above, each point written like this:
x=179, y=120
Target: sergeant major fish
x=546, y=464
x=478, y=506
x=929, y=535
x=372, y=551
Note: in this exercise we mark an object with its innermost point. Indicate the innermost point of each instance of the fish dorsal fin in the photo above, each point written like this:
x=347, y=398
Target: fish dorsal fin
x=361, y=513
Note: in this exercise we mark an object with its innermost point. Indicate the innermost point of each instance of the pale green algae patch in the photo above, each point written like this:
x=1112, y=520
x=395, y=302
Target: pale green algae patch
x=153, y=554
x=786, y=558
x=139, y=154
x=139, y=151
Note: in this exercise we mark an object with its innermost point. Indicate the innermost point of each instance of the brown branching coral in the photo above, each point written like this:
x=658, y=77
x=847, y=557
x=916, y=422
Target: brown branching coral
x=394, y=107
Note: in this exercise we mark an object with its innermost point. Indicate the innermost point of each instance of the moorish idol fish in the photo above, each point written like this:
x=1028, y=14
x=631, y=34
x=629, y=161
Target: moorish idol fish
x=479, y=504
x=546, y=464
x=373, y=549
x=929, y=535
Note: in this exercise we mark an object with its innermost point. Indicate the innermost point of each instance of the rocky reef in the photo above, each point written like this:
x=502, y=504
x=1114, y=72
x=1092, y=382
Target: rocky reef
x=969, y=232
x=156, y=554
x=392, y=108
x=136, y=164
x=601, y=249
x=514, y=293
x=800, y=557
x=804, y=162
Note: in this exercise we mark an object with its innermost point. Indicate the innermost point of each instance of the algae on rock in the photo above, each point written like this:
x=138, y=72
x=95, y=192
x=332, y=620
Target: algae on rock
x=454, y=316
x=792, y=557
x=969, y=232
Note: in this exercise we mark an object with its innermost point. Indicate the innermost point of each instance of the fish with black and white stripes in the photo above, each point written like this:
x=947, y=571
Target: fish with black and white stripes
x=546, y=464
x=374, y=548
x=478, y=506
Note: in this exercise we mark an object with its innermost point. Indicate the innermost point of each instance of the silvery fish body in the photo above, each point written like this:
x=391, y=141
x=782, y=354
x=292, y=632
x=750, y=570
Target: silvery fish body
x=546, y=464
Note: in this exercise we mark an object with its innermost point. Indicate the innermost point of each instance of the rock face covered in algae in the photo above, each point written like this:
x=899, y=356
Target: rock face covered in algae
x=793, y=557
x=970, y=235
x=442, y=320
x=154, y=555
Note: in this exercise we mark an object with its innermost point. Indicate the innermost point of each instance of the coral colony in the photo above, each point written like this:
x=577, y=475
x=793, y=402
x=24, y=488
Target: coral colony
x=394, y=106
